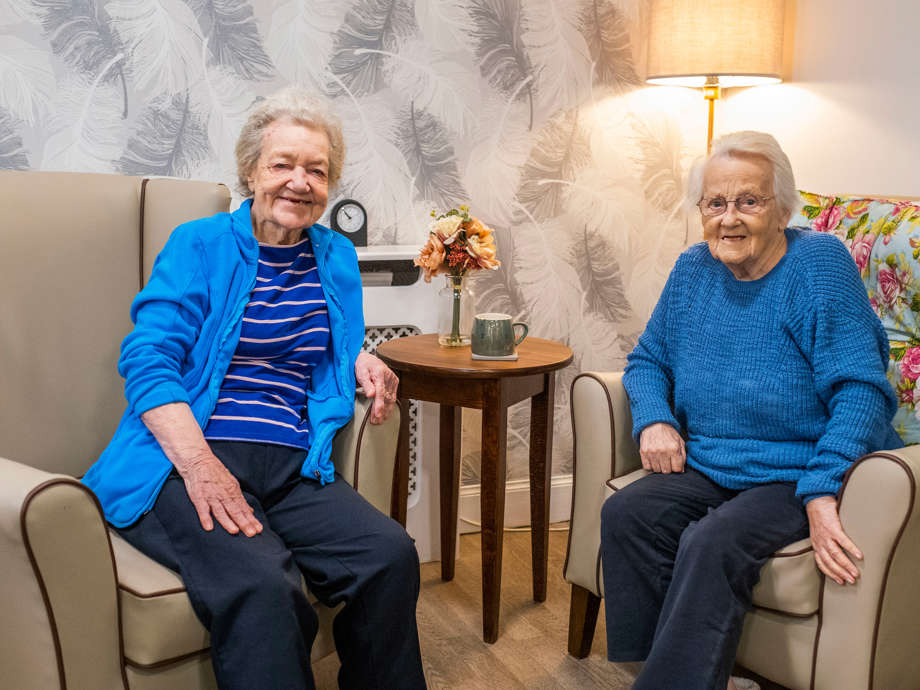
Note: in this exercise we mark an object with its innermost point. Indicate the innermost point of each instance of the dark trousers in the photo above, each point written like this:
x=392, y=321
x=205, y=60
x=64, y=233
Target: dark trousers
x=247, y=590
x=681, y=556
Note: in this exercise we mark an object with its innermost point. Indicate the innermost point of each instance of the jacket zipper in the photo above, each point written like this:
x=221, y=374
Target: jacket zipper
x=214, y=390
x=328, y=289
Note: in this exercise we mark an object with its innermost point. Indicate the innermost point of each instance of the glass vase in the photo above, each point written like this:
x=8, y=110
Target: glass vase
x=455, y=312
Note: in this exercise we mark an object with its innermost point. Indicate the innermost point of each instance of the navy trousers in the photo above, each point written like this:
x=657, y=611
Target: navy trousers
x=247, y=590
x=681, y=556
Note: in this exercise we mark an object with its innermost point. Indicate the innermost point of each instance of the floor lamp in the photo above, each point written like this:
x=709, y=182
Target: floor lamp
x=715, y=44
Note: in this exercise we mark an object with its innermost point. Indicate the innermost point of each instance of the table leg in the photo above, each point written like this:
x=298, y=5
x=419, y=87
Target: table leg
x=399, y=496
x=492, y=503
x=450, y=486
x=541, y=467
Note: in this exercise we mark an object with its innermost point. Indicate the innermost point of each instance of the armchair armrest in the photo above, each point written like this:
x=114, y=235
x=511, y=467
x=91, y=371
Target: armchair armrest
x=59, y=597
x=601, y=426
x=599, y=398
x=873, y=627
x=365, y=454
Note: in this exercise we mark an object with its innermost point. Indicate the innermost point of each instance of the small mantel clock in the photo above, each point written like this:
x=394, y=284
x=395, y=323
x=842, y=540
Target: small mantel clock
x=350, y=219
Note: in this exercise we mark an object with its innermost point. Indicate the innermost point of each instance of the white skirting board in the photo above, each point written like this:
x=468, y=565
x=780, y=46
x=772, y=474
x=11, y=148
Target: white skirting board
x=517, y=503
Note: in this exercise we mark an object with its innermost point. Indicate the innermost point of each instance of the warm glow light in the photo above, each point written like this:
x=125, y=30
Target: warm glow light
x=726, y=81
x=738, y=41
x=767, y=110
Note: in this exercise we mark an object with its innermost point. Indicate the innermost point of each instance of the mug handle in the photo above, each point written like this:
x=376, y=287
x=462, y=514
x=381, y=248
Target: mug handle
x=523, y=335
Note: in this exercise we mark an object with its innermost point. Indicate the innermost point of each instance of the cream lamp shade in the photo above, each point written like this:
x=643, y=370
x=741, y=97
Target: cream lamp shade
x=739, y=42
x=715, y=44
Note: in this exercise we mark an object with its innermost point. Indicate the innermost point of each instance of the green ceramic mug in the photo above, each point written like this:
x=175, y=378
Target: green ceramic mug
x=493, y=335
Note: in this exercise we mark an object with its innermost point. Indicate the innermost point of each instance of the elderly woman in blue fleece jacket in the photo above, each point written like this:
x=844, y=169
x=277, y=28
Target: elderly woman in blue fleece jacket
x=241, y=367
x=759, y=379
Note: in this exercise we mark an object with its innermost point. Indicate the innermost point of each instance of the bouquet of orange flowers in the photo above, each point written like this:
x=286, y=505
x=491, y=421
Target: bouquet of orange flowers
x=457, y=243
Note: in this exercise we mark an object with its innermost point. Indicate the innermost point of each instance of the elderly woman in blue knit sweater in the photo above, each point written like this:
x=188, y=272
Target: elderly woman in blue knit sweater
x=759, y=379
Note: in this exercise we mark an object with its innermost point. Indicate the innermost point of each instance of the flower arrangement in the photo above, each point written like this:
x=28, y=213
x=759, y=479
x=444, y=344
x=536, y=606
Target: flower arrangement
x=457, y=244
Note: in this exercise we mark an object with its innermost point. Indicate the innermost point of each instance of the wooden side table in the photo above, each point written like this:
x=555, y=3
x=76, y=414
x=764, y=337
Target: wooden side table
x=450, y=377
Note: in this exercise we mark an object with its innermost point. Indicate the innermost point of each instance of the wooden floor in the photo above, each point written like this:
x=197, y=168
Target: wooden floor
x=531, y=651
x=531, y=648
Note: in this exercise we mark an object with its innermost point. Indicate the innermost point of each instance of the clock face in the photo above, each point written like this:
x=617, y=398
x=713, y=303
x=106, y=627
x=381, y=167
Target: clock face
x=350, y=216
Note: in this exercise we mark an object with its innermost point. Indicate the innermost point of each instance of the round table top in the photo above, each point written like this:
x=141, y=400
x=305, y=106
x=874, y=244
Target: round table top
x=422, y=353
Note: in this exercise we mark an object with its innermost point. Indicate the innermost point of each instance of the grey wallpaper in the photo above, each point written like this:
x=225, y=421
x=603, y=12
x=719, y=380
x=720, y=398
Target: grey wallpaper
x=521, y=108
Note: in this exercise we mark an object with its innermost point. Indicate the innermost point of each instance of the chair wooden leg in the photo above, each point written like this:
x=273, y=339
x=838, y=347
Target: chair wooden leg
x=582, y=620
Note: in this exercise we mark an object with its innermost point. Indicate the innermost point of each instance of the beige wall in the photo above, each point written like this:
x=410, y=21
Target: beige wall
x=848, y=113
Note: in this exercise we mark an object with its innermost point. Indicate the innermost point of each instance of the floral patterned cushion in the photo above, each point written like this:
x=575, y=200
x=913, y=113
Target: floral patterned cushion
x=815, y=212
x=883, y=236
x=903, y=371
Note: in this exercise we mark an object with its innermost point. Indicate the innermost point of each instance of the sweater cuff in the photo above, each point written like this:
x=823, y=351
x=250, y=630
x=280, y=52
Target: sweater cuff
x=161, y=395
x=812, y=486
x=810, y=497
x=640, y=423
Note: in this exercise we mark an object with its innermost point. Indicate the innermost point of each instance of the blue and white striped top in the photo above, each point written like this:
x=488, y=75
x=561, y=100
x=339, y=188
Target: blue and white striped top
x=284, y=333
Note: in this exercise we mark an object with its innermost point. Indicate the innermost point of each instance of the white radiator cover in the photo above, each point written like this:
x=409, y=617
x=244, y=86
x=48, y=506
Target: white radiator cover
x=393, y=311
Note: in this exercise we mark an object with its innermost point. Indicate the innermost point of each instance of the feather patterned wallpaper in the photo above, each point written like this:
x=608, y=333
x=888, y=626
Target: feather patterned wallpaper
x=520, y=108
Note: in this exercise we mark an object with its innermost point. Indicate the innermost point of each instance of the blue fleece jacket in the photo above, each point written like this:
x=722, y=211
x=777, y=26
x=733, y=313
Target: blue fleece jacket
x=776, y=379
x=187, y=326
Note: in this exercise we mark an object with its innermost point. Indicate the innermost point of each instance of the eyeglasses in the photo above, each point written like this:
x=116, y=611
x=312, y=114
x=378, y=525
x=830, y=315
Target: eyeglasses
x=750, y=204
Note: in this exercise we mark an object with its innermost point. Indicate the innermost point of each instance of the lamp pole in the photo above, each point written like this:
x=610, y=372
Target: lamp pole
x=711, y=92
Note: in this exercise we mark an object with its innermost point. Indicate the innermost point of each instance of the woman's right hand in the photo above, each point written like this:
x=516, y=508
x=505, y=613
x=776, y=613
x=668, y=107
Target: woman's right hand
x=210, y=486
x=214, y=491
x=662, y=449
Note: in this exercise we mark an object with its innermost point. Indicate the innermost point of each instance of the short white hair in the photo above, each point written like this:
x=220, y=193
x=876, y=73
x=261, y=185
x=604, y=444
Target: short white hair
x=296, y=105
x=748, y=143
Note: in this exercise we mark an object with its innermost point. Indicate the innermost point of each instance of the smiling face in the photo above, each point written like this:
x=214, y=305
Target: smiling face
x=750, y=245
x=289, y=182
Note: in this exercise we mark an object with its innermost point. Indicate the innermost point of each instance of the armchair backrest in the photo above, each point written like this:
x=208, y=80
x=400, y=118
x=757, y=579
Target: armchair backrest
x=72, y=248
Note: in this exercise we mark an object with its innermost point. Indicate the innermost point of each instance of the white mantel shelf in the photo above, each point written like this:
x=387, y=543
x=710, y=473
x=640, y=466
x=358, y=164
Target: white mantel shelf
x=387, y=252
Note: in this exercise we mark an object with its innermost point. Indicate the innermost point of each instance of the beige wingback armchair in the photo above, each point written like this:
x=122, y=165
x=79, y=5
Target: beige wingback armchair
x=804, y=631
x=80, y=607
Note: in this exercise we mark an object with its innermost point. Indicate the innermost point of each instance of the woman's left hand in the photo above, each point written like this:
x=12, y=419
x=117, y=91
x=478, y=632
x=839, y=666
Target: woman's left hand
x=379, y=383
x=830, y=542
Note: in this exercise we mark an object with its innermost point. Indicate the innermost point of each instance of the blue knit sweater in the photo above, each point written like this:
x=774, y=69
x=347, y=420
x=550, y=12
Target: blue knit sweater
x=776, y=379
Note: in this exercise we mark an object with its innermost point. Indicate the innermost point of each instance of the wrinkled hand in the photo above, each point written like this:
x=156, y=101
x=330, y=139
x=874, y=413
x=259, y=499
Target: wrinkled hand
x=830, y=542
x=662, y=449
x=214, y=491
x=379, y=383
